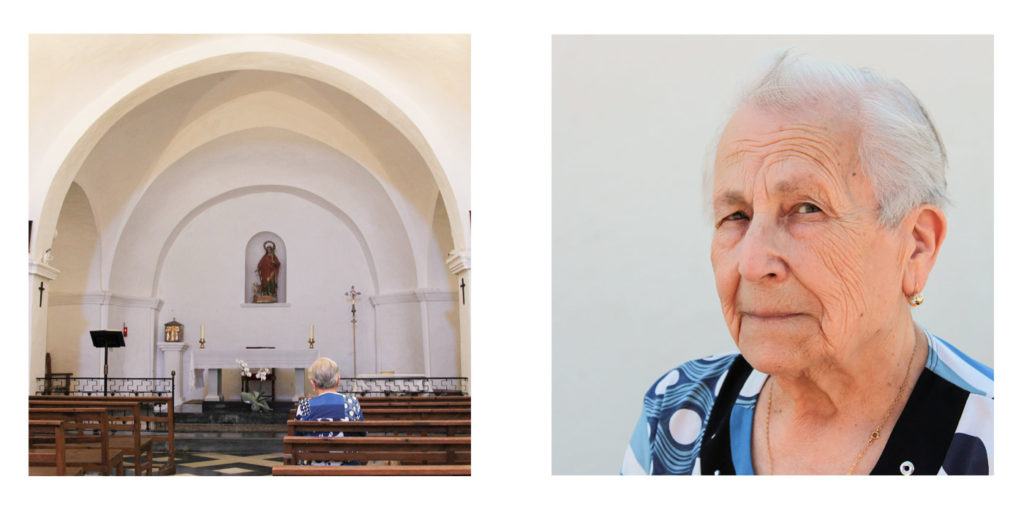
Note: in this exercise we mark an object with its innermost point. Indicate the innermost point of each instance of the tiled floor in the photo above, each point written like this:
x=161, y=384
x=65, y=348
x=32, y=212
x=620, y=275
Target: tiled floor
x=222, y=464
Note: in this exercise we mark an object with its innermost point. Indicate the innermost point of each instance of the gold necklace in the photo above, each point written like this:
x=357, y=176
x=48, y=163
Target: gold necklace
x=875, y=435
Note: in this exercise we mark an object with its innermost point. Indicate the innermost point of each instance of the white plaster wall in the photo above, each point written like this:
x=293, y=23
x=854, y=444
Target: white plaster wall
x=398, y=323
x=68, y=340
x=632, y=289
x=444, y=341
x=137, y=357
x=67, y=333
x=272, y=159
x=70, y=317
x=76, y=250
x=201, y=282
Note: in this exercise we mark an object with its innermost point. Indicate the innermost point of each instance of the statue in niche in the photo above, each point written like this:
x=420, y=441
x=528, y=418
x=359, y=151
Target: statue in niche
x=267, y=270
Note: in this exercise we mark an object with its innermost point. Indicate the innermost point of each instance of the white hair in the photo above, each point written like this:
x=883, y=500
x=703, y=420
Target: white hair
x=324, y=372
x=899, y=148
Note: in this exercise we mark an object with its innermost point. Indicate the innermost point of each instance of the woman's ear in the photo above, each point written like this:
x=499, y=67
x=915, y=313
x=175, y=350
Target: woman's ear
x=926, y=229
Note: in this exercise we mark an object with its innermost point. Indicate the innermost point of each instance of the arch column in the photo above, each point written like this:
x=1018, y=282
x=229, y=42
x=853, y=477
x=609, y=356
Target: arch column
x=459, y=265
x=39, y=275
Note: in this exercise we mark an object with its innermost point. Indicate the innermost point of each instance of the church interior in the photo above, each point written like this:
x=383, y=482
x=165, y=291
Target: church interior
x=256, y=199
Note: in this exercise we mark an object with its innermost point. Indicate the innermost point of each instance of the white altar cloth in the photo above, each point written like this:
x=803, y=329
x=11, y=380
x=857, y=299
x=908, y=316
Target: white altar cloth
x=205, y=361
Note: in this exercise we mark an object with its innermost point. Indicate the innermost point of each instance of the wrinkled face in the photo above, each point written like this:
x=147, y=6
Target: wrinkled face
x=805, y=273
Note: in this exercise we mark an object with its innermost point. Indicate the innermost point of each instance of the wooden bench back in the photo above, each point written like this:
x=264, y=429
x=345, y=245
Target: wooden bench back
x=460, y=398
x=410, y=413
x=150, y=423
x=419, y=413
x=83, y=420
x=117, y=422
x=405, y=450
x=47, y=429
x=374, y=470
x=383, y=427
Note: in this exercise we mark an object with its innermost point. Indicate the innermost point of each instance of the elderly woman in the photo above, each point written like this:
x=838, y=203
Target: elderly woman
x=328, y=404
x=826, y=191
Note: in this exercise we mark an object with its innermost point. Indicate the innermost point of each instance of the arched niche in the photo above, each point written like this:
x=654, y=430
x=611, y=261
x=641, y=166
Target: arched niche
x=254, y=251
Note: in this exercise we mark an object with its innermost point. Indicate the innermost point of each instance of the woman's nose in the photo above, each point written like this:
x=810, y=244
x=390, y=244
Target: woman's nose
x=759, y=253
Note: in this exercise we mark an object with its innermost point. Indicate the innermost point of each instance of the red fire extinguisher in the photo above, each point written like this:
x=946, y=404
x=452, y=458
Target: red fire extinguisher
x=124, y=329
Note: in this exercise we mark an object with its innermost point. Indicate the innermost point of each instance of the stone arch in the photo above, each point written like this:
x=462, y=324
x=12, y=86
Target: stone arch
x=62, y=160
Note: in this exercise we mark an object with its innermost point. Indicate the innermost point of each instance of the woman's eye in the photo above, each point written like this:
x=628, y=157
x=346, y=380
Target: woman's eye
x=735, y=216
x=807, y=208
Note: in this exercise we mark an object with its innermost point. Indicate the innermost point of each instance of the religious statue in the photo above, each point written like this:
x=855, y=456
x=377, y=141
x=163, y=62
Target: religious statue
x=267, y=270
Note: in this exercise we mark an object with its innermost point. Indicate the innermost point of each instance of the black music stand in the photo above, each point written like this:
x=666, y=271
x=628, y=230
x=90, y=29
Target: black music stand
x=106, y=340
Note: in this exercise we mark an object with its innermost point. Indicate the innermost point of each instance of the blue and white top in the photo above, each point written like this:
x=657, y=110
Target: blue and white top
x=698, y=418
x=331, y=406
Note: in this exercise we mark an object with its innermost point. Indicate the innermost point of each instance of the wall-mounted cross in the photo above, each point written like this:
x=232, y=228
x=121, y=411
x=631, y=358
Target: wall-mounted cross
x=41, y=288
x=463, y=286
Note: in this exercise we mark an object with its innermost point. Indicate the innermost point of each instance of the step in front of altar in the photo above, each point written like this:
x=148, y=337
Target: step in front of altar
x=232, y=427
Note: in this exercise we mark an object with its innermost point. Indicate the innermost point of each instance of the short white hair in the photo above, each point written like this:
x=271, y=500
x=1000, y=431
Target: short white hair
x=324, y=372
x=899, y=148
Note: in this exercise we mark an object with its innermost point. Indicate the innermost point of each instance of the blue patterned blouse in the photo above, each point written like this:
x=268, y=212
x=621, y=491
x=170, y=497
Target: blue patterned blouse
x=697, y=419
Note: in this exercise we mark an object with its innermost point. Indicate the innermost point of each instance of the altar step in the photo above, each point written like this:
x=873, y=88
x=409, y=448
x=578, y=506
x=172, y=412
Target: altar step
x=231, y=427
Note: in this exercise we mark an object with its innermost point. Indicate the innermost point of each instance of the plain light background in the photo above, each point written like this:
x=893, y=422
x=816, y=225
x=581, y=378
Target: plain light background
x=633, y=295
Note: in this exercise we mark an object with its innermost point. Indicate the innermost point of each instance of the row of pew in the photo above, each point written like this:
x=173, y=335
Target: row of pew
x=75, y=435
x=401, y=436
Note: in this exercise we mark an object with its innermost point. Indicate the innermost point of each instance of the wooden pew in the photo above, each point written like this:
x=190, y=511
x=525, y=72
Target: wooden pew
x=416, y=401
x=411, y=413
x=47, y=463
x=404, y=450
x=406, y=428
x=141, y=448
x=383, y=427
x=413, y=405
x=373, y=470
x=100, y=456
x=379, y=402
x=156, y=428
x=419, y=413
x=462, y=398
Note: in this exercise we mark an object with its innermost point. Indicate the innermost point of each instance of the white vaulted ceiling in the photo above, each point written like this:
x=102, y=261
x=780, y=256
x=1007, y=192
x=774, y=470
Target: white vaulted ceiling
x=222, y=115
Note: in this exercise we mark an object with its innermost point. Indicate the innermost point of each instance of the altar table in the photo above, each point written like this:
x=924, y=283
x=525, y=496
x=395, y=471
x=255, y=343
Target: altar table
x=210, y=362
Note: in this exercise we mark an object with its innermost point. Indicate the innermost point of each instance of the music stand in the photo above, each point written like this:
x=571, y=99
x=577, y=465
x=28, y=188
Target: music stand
x=106, y=339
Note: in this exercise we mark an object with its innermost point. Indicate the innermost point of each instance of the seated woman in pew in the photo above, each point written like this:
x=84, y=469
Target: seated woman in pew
x=329, y=404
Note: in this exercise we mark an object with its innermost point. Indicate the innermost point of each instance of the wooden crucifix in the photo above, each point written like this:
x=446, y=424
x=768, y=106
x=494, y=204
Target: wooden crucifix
x=463, y=286
x=41, y=289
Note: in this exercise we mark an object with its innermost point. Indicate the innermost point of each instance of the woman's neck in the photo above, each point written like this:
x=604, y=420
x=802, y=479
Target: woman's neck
x=862, y=386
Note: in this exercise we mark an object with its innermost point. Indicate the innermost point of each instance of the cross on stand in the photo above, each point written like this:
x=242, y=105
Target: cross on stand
x=353, y=294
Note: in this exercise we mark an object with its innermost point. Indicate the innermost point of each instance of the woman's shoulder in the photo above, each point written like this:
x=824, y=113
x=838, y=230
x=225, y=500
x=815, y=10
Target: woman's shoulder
x=675, y=411
x=951, y=364
x=697, y=379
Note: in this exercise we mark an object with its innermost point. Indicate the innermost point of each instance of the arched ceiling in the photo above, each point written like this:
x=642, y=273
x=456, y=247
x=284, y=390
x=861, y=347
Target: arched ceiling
x=259, y=161
x=427, y=75
x=155, y=135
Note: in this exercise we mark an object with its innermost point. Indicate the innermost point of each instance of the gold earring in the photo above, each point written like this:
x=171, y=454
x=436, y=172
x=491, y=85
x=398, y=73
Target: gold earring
x=916, y=299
